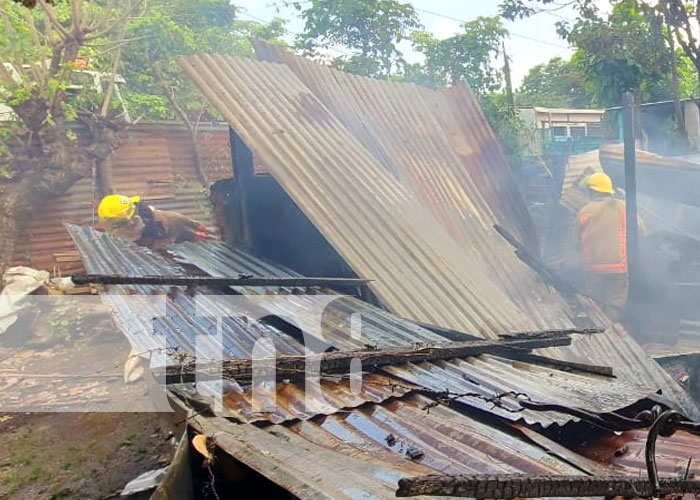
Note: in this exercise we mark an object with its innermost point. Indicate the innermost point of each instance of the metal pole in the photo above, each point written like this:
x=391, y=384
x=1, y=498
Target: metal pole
x=631, y=195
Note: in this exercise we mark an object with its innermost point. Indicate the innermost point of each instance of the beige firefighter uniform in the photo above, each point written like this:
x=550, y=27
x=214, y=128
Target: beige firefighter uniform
x=602, y=226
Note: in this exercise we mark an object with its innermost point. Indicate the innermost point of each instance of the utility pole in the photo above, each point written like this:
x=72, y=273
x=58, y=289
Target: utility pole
x=631, y=197
x=509, y=82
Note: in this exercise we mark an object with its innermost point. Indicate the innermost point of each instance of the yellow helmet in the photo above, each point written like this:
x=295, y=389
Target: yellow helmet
x=116, y=206
x=600, y=183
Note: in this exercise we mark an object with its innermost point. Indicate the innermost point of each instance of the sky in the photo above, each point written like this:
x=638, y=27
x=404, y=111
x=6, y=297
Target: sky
x=532, y=41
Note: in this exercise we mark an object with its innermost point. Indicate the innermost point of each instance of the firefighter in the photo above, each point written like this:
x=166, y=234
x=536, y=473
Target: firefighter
x=602, y=232
x=128, y=218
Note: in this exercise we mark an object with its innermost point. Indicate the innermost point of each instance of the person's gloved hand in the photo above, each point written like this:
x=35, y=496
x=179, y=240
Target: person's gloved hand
x=202, y=233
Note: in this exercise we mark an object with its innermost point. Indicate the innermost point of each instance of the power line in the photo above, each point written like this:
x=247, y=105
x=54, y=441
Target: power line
x=243, y=12
x=551, y=12
x=517, y=35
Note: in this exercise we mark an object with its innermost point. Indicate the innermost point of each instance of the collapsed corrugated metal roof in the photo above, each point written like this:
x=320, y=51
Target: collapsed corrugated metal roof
x=376, y=436
x=484, y=375
x=440, y=147
x=181, y=326
x=409, y=223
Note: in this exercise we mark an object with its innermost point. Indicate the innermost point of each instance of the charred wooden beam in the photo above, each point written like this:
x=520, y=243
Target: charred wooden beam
x=101, y=279
x=524, y=355
x=535, y=359
x=536, y=264
x=339, y=362
x=519, y=486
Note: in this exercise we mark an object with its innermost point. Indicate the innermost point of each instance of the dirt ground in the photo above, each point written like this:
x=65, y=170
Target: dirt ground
x=73, y=453
x=66, y=455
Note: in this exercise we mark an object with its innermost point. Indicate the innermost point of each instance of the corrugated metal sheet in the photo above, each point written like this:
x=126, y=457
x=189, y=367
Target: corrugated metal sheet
x=380, y=226
x=343, y=444
x=440, y=147
x=578, y=168
x=181, y=328
x=361, y=454
x=674, y=179
x=489, y=376
x=451, y=442
x=361, y=209
x=378, y=327
x=154, y=161
x=625, y=453
x=411, y=129
x=183, y=331
x=485, y=375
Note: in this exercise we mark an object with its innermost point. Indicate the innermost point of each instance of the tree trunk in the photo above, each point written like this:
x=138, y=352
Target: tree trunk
x=46, y=163
x=191, y=128
x=676, y=86
x=13, y=208
x=509, y=85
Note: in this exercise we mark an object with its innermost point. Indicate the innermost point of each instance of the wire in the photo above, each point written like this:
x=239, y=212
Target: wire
x=243, y=12
x=285, y=3
x=517, y=35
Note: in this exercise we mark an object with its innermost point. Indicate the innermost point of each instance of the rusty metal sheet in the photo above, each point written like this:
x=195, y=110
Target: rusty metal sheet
x=378, y=328
x=451, y=442
x=441, y=148
x=362, y=210
x=292, y=401
x=362, y=453
x=625, y=452
x=180, y=326
x=142, y=165
x=183, y=330
x=484, y=375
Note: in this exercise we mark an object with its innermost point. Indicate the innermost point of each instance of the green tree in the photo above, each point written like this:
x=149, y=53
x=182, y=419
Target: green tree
x=470, y=55
x=41, y=155
x=512, y=133
x=623, y=52
x=157, y=87
x=371, y=29
x=688, y=77
x=558, y=83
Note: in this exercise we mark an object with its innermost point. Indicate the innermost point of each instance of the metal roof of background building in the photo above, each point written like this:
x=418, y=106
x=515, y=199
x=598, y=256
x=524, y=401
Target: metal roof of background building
x=392, y=216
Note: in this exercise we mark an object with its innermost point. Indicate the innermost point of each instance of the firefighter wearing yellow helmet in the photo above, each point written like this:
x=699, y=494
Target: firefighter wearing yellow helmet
x=602, y=231
x=128, y=218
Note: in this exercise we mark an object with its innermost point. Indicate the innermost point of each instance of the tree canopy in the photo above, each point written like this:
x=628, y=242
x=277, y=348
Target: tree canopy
x=370, y=29
x=157, y=88
x=557, y=83
x=470, y=55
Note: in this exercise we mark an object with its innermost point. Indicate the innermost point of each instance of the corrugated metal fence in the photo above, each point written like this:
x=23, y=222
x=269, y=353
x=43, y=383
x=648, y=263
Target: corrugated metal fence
x=155, y=161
